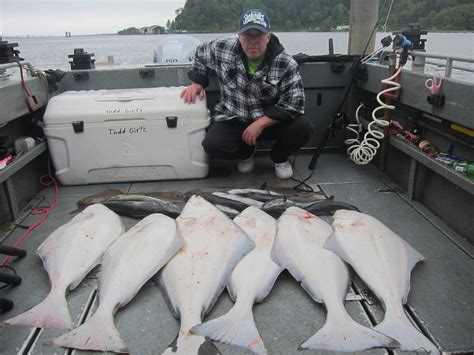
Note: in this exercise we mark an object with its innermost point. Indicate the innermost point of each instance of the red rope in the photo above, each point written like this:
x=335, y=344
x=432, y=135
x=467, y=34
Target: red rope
x=37, y=211
x=23, y=83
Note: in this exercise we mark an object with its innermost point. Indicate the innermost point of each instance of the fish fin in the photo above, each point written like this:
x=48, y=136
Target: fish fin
x=98, y=333
x=52, y=312
x=96, y=268
x=403, y=330
x=348, y=336
x=270, y=282
x=233, y=328
x=186, y=344
x=310, y=291
x=158, y=279
x=332, y=245
x=231, y=293
x=413, y=258
x=246, y=246
x=279, y=256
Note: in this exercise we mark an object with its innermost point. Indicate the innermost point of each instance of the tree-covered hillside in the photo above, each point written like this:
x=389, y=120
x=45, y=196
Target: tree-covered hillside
x=322, y=15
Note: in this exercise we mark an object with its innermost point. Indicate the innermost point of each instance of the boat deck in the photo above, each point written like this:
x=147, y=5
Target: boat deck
x=441, y=299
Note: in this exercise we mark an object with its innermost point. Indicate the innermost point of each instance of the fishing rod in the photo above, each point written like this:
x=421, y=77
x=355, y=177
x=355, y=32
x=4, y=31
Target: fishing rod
x=340, y=119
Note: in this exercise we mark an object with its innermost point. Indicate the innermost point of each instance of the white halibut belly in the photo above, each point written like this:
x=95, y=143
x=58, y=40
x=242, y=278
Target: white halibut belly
x=250, y=282
x=256, y=273
x=136, y=256
x=197, y=274
x=68, y=254
x=255, y=278
x=126, y=266
x=300, y=238
x=79, y=244
x=377, y=254
x=201, y=268
x=299, y=247
x=384, y=261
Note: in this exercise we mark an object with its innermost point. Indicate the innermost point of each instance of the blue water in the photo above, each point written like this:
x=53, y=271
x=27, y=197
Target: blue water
x=52, y=52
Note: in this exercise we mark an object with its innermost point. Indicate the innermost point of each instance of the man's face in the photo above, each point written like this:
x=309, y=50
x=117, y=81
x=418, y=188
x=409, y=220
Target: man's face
x=254, y=43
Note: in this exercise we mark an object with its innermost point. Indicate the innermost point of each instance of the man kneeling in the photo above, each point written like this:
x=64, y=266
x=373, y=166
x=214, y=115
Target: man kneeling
x=261, y=95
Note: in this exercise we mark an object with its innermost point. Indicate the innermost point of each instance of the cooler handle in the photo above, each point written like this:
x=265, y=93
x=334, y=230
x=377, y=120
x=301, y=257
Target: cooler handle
x=172, y=121
x=78, y=126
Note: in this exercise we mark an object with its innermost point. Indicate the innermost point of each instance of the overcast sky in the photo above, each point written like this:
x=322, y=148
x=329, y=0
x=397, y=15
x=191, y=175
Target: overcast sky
x=80, y=17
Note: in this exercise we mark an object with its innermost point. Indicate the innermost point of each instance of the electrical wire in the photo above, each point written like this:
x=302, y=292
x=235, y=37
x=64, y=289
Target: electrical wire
x=45, y=180
x=31, y=101
x=302, y=185
x=384, y=28
x=373, y=54
x=303, y=182
x=28, y=96
x=368, y=57
x=363, y=152
x=374, y=29
x=355, y=128
x=43, y=77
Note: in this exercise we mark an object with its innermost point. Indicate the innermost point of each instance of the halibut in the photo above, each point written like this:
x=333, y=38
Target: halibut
x=298, y=247
x=198, y=273
x=126, y=266
x=250, y=282
x=384, y=261
x=68, y=255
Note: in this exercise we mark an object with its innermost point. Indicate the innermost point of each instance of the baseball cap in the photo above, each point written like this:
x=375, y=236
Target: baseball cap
x=254, y=18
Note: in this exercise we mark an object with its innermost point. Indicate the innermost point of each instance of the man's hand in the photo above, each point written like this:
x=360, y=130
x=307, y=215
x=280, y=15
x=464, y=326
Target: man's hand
x=254, y=130
x=189, y=93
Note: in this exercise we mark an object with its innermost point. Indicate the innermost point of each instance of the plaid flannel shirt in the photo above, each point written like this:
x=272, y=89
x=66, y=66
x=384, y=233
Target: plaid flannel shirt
x=275, y=90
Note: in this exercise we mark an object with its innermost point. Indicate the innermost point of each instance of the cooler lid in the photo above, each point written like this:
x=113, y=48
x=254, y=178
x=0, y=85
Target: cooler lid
x=95, y=106
x=125, y=95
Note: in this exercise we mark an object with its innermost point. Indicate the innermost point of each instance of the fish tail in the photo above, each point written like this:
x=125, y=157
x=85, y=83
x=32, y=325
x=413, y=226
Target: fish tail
x=234, y=328
x=52, y=312
x=347, y=335
x=186, y=344
x=98, y=333
x=403, y=330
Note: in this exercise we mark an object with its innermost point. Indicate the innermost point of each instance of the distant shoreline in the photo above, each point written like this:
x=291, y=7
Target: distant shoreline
x=191, y=33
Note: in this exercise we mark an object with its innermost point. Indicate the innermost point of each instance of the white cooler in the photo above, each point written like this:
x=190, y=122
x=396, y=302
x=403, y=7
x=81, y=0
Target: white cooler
x=126, y=135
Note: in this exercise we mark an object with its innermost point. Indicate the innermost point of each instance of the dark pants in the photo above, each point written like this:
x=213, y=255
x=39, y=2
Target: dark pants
x=224, y=139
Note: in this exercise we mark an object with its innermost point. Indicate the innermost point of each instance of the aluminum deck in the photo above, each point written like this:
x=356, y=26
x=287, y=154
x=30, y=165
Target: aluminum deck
x=441, y=299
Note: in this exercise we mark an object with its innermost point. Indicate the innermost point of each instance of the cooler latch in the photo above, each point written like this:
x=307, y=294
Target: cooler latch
x=172, y=121
x=78, y=126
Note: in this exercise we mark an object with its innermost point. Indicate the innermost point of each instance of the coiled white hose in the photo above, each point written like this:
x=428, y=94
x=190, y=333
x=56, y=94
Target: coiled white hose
x=363, y=152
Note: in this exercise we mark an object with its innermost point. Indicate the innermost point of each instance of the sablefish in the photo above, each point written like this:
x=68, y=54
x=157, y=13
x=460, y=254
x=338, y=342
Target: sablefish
x=250, y=282
x=298, y=247
x=384, y=261
x=197, y=274
x=68, y=255
x=126, y=266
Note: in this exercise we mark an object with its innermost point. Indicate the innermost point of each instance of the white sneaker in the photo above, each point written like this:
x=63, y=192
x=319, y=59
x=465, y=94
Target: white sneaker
x=284, y=170
x=246, y=165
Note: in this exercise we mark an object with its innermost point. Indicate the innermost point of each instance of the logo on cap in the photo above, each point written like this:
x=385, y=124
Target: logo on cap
x=255, y=17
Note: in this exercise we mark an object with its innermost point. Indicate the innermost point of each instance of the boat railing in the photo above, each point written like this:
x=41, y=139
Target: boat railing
x=30, y=67
x=454, y=66
x=419, y=60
